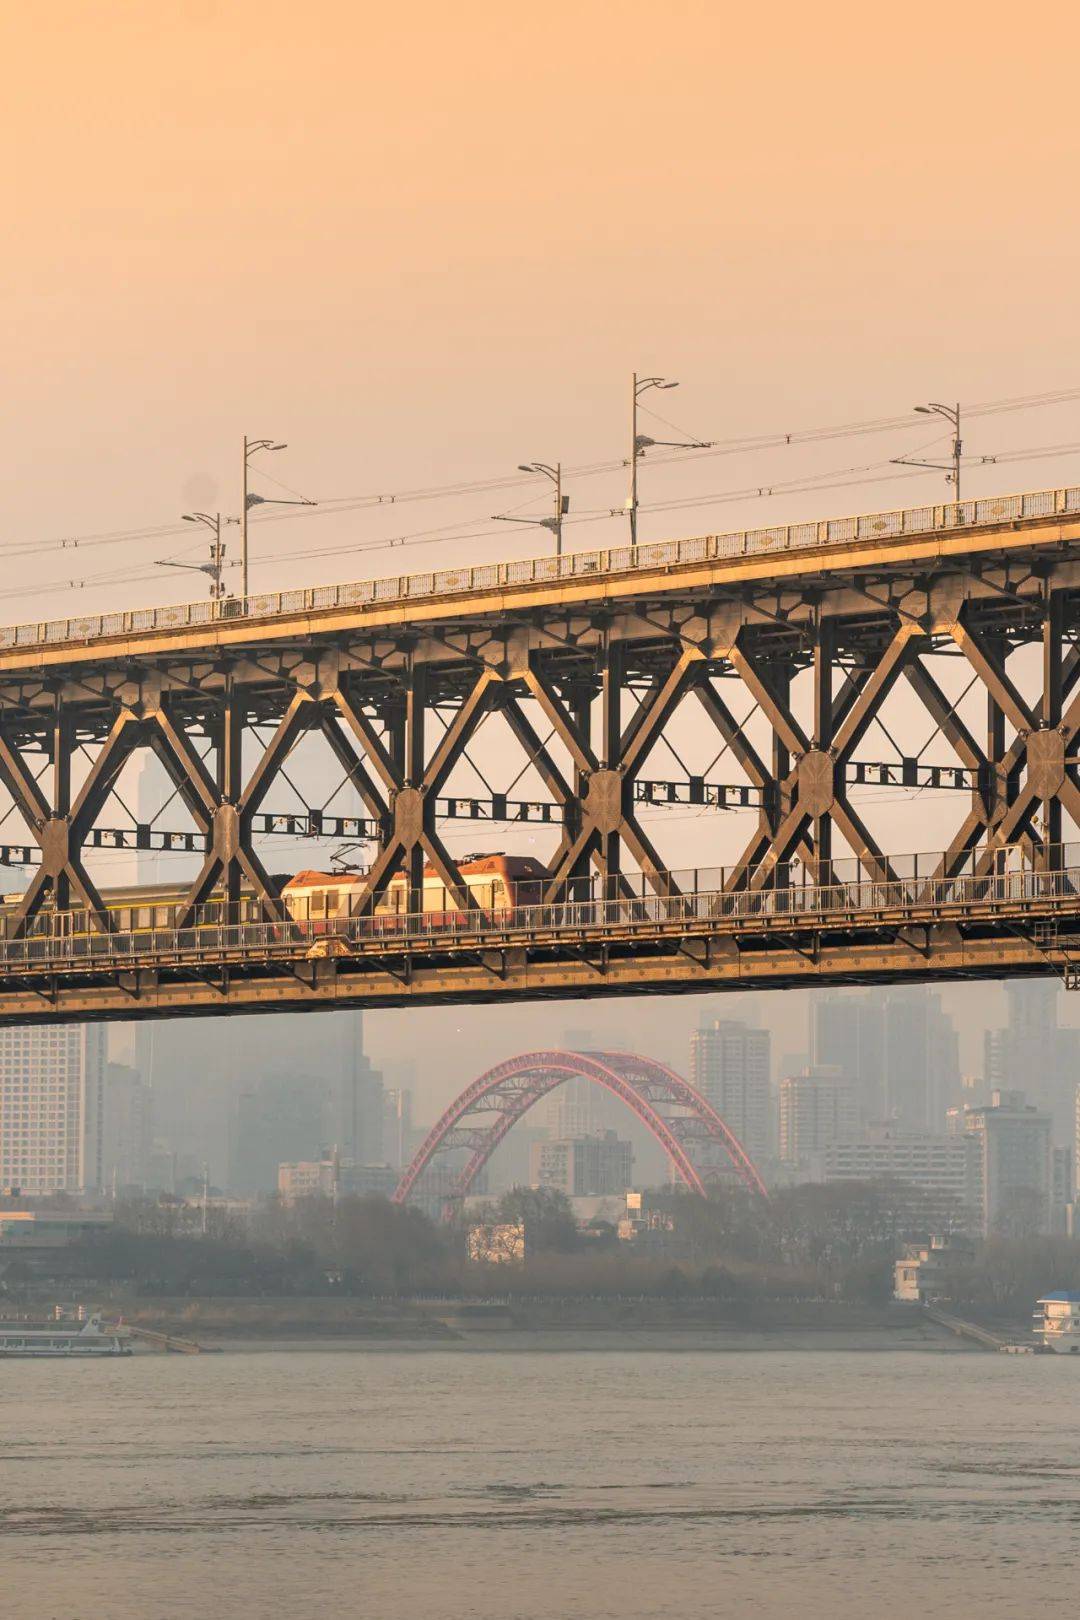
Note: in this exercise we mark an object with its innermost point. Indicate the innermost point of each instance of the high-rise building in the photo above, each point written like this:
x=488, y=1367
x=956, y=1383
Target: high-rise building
x=1062, y=1188
x=128, y=1128
x=281, y=1119
x=569, y=1111
x=583, y=1166
x=397, y=1131
x=899, y=1050
x=816, y=1109
x=729, y=1065
x=1015, y=1167
x=1033, y=1051
x=847, y=1033
x=51, y=1107
x=199, y=1069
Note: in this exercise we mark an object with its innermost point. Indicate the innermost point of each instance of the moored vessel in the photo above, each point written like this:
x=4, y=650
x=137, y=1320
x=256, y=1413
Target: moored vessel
x=1057, y=1322
x=90, y=1339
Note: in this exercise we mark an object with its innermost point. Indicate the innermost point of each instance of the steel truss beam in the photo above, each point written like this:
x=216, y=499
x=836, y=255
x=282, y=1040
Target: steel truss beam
x=587, y=689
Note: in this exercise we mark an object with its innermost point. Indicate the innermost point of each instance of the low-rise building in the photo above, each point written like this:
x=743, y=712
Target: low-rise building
x=331, y=1177
x=582, y=1166
x=497, y=1243
x=942, y=1171
x=644, y=1223
x=49, y=1228
x=920, y=1275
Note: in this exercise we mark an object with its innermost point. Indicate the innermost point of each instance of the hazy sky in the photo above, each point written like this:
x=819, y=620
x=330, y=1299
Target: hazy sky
x=424, y=243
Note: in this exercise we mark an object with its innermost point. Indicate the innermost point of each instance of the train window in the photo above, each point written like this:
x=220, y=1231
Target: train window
x=332, y=901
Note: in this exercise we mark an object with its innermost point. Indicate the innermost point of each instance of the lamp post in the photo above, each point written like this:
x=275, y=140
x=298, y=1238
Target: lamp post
x=248, y=501
x=562, y=502
x=640, y=442
x=952, y=469
x=216, y=566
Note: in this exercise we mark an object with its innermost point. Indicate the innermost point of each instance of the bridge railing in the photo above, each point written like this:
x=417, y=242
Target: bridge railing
x=864, y=902
x=986, y=512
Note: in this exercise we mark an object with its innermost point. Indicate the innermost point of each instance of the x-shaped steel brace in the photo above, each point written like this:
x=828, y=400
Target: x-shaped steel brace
x=224, y=814
x=404, y=804
x=605, y=816
x=61, y=829
x=815, y=786
x=1044, y=741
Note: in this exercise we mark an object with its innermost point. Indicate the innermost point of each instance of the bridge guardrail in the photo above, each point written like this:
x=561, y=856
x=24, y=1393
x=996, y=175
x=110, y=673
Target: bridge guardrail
x=968, y=894
x=914, y=520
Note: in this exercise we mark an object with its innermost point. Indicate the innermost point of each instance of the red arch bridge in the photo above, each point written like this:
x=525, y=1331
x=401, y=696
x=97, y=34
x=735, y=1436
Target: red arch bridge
x=698, y=1143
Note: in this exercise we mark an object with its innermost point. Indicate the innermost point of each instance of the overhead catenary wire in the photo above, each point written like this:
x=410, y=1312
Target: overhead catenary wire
x=840, y=478
x=331, y=505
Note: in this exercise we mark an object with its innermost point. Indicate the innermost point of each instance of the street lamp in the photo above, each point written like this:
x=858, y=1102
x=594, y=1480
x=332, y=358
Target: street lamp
x=640, y=442
x=562, y=502
x=952, y=416
x=249, y=500
x=216, y=566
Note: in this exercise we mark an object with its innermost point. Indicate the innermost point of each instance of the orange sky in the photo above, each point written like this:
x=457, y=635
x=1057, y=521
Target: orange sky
x=426, y=245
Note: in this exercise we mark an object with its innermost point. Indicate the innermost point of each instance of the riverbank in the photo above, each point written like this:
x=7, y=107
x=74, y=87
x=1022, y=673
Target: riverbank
x=554, y=1325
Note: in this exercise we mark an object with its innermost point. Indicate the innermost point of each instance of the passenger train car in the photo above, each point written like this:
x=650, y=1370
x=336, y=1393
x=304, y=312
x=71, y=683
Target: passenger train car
x=496, y=883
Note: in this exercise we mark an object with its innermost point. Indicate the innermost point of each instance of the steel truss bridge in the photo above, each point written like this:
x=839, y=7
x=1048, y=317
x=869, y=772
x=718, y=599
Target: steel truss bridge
x=699, y=1146
x=793, y=646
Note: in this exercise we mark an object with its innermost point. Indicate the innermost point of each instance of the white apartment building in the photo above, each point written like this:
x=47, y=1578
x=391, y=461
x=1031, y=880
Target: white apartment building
x=51, y=1106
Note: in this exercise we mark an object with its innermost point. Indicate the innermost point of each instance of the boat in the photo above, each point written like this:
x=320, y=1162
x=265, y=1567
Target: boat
x=90, y=1339
x=1057, y=1319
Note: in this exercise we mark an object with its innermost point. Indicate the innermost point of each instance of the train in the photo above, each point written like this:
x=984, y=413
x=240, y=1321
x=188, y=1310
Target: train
x=496, y=883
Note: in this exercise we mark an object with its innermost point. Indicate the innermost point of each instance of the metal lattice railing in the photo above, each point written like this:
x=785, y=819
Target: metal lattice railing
x=449, y=582
x=858, y=901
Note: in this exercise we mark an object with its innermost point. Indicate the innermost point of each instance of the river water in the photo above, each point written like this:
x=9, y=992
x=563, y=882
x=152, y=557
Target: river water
x=539, y=1486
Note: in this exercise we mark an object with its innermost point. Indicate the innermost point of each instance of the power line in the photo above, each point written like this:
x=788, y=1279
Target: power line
x=333, y=505
x=837, y=478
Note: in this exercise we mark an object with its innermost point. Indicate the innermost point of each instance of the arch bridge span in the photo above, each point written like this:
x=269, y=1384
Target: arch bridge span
x=686, y=1126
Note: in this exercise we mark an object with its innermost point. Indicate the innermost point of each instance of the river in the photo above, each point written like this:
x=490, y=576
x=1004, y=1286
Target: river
x=539, y=1486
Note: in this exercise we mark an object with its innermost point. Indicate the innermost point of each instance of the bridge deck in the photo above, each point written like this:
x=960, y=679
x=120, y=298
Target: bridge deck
x=907, y=538
x=787, y=642
x=971, y=926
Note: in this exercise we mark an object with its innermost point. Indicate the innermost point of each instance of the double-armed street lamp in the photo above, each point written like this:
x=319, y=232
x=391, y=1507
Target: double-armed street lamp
x=249, y=500
x=562, y=502
x=640, y=442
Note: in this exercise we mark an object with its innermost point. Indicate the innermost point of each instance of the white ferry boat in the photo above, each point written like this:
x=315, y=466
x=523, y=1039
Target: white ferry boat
x=1057, y=1320
x=89, y=1338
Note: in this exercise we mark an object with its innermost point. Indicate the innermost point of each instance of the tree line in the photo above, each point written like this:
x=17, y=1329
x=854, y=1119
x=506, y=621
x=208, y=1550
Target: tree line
x=811, y=1241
